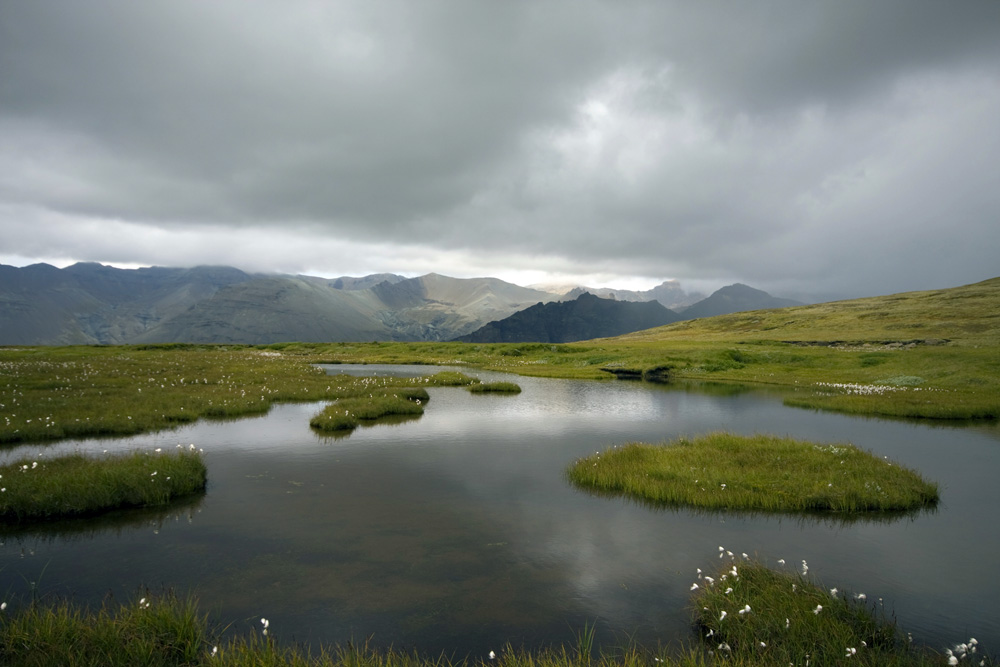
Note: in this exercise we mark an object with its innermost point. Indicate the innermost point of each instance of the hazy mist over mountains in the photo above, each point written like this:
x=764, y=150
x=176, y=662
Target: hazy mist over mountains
x=89, y=303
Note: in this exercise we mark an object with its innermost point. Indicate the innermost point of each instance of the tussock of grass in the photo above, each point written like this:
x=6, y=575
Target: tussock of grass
x=755, y=473
x=77, y=485
x=348, y=413
x=152, y=632
x=748, y=614
x=451, y=379
x=495, y=388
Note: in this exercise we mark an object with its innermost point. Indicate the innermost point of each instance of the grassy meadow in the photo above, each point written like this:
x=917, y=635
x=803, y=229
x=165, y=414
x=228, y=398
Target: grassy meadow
x=933, y=354
x=754, y=473
x=920, y=354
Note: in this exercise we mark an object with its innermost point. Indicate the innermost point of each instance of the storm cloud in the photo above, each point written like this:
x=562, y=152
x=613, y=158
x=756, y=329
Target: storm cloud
x=843, y=148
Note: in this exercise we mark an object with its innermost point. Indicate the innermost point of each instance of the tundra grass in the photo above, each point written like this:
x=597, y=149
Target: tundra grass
x=949, y=338
x=348, y=413
x=78, y=485
x=749, y=616
x=75, y=392
x=495, y=388
x=755, y=473
x=944, y=344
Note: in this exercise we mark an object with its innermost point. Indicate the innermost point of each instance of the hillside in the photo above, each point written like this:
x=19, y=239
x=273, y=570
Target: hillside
x=966, y=314
x=91, y=303
x=586, y=317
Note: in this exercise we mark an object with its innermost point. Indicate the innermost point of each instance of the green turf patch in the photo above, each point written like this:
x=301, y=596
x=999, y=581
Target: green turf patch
x=755, y=473
x=77, y=485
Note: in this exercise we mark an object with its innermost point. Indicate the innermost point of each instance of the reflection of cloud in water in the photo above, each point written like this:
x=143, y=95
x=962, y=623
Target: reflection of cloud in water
x=459, y=529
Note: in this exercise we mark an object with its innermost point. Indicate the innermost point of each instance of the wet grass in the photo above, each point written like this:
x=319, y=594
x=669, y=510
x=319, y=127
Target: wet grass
x=495, y=388
x=77, y=392
x=75, y=485
x=348, y=413
x=749, y=614
x=755, y=473
x=746, y=614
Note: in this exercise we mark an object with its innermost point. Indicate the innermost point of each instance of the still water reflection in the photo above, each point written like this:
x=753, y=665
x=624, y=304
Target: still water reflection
x=457, y=531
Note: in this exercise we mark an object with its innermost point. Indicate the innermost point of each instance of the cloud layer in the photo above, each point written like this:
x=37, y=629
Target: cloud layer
x=838, y=147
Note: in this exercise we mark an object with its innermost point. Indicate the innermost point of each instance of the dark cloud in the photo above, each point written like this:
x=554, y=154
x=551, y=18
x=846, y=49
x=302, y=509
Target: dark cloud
x=833, y=147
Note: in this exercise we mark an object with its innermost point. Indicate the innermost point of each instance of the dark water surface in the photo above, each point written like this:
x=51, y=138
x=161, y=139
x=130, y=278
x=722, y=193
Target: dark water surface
x=456, y=531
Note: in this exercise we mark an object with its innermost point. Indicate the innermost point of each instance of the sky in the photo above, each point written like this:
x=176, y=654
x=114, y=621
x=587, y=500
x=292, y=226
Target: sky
x=835, y=149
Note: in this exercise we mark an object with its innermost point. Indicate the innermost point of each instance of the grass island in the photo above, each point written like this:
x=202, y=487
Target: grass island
x=754, y=473
x=75, y=485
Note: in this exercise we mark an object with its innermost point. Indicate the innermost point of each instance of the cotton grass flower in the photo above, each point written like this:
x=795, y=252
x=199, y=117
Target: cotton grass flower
x=818, y=609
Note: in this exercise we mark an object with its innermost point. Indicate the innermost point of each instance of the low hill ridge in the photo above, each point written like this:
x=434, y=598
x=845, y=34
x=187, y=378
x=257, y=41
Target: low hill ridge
x=586, y=317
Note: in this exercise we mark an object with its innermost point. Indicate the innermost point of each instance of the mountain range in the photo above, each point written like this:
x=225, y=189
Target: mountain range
x=89, y=303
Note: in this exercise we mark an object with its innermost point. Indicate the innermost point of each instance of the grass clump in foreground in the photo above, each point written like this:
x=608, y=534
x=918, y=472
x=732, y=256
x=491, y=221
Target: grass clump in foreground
x=747, y=615
x=756, y=473
x=495, y=388
x=78, y=485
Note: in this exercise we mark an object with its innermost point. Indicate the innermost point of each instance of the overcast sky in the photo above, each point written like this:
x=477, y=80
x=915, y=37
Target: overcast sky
x=838, y=147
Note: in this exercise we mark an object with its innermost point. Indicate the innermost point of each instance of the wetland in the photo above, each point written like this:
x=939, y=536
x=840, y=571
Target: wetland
x=457, y=531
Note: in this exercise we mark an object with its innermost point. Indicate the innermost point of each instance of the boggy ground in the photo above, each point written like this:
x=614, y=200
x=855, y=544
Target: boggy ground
x=745, y=613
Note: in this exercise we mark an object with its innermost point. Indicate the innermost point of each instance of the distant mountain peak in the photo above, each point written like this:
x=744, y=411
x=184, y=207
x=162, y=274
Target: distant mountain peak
x=733, y=299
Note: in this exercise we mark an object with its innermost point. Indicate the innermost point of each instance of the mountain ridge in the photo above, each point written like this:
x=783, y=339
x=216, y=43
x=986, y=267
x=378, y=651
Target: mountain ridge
x=89, y=303
x=584, y=318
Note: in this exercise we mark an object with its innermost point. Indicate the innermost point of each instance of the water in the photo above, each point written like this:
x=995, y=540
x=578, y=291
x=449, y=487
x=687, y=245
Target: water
x=456, y=531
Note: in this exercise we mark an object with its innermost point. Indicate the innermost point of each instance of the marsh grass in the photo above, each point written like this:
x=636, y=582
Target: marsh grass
x=749, y=614
x=949, y=340
x=348, y=413
x=755, y=473
x=157, y=632
x=168, y=631
x=495, y=388
x=77, y=485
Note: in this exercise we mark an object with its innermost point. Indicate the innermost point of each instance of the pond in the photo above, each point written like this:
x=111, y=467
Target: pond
x=457, y=531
